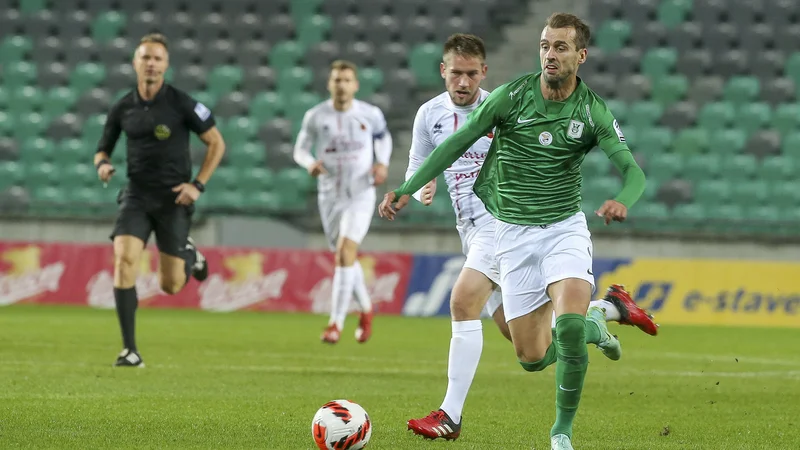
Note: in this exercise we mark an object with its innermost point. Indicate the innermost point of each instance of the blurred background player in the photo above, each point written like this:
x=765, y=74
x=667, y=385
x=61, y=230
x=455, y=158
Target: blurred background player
x=351, y=150
x=158, y=120
x=463, y=68
x=544, y=123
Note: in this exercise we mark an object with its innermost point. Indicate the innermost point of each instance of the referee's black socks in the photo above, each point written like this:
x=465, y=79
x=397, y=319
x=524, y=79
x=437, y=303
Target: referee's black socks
x=127, y=302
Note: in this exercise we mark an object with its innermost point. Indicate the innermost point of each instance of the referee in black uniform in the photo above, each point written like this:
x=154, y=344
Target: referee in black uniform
x=157, y=119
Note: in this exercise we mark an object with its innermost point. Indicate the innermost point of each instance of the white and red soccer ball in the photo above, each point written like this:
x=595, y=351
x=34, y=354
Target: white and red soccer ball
x=341, y=425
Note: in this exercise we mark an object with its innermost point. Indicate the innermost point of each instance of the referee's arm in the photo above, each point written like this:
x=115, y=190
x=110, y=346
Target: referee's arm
x=111, y=133
x=216, y=149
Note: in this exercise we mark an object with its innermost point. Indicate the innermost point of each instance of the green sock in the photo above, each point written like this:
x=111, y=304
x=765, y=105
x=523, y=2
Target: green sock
x=573, y=361
x=593, y=334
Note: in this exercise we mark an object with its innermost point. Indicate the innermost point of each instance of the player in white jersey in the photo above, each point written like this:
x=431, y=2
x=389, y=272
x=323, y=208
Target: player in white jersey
x=463, y=68
x=351, y=150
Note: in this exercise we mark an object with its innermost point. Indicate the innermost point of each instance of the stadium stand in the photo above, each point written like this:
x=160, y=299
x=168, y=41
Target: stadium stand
x=706, y=93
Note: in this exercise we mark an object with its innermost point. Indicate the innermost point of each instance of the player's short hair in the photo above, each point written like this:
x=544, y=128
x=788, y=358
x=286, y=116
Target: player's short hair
x=341, y=64
x=463, y=44
x=566, y=20
x=154, y=38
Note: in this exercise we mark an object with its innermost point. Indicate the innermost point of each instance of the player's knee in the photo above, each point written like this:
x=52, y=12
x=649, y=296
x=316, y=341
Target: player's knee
x=171, y=287
x=464, y=306
x=534, y=366
x=346, y=253
x=125, y=267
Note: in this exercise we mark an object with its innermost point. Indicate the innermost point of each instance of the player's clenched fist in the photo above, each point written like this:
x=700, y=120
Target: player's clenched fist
x=104, y=172
x=317, y=169
x=612, y=210
x=426, y=197
x=390, y=205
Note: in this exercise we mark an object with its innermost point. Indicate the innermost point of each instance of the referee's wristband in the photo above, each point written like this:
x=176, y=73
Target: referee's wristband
x=101, y=163
x=200, y=186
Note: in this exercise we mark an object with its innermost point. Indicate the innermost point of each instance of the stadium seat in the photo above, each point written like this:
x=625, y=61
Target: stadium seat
x=424, y=62
x=777, y=168
x=786, y=118
x=312, y=29
x=613, y=35
x=741, y=90
x=716, y=116
x=669, y=89
x=753, y=116
x=726, y=141
x=712, y=192
x=665, y=166
x=14, y=49
x=596, y=163
x=18, y=74
x=25, y=99
x=108, y=26
x=294, y=79
x=738, y=167
x=689, y=216
x=86, y=76
x=673, y=12
x=691, y=141
x=658, y=63
x=750, y=193
x=704, y=166
x=654, y=140
x=644, y=114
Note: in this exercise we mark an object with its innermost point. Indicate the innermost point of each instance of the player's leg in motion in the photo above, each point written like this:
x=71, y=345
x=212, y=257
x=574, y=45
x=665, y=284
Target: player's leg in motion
x=179, y=258
x=127, y=253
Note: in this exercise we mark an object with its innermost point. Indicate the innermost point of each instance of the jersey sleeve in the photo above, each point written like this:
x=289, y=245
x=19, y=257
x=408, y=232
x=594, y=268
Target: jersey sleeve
x=608, y=134
x=199, y=117
x=111, y=130
x=305, y=141
x=421, y=146
x=382, y=139
x=490, y=113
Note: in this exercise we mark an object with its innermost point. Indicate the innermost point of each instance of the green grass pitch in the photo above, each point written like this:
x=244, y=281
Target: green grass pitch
x=255, y=380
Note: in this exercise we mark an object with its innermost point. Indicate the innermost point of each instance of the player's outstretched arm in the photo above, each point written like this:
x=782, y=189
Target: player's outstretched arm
x=302, y=147
x=111, y=132
x=633, y=185
x=421, y=148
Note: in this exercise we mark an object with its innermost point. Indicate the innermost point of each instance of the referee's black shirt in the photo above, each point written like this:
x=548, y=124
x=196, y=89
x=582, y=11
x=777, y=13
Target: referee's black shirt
x=158, y=133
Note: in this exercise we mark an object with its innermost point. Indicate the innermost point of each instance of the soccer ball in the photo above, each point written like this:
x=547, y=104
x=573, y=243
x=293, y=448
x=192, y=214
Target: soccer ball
x=341, y=425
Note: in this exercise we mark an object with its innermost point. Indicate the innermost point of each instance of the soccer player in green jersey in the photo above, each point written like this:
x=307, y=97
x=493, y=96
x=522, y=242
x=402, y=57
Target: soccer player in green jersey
x=543, y=125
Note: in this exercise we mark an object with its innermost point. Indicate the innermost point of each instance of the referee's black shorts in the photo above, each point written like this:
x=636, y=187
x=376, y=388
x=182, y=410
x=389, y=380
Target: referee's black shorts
x=141, y=213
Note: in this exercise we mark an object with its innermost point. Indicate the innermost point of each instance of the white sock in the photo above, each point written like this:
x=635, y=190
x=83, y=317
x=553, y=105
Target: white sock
x=362, y=294
x=466, y=346
x=343, y=279
x=612, y=313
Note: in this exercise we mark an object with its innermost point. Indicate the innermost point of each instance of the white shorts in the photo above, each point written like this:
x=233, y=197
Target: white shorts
x=478, y=246
x=531, y=258
x=349, y=218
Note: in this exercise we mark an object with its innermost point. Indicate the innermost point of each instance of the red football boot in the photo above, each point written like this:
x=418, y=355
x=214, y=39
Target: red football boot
x=435, y=425
x=331, y=334
x=364, y=330
x=630, y=312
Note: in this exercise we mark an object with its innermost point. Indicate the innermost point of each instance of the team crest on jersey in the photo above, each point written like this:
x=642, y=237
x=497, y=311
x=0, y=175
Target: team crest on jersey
x=575, y=129
x=162, y=132
x=545, y=138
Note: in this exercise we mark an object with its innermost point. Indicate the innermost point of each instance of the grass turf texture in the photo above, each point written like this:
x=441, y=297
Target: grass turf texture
x=255, y=380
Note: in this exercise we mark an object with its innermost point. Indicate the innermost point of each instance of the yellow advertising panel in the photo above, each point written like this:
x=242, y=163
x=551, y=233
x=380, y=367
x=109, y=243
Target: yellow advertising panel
x=712, y=292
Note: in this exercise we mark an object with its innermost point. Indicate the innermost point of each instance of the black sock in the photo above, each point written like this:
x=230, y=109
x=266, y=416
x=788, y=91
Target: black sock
x=127, y=302
x=189, y=258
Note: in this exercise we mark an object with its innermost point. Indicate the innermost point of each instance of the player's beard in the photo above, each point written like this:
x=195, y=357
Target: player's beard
x=557, y=80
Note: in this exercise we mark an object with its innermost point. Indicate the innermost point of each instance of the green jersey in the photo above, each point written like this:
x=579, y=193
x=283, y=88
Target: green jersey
x=531, y=175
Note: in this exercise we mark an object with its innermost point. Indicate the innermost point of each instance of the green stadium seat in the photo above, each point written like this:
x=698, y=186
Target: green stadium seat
x=37, y=150
x=786, y=118
x=727, y=141
x=298, y=104
x=752, y=117
x=792, y=67
x=669, y=89
x=257, y=179
x=777, y=168
x=58, y=101
x=43, y=174
x=108, y=26
x=287, y=54
x=424, y=60
x=71, y=151
x=716, y=115
x=241, y=129
x=227, y=200
x=702, y=166
x=665, y=166
x=790, y=215
x=613, y=35
x=654, y=140
x=691, y=141
x=601, y=187
x=712, y=192
x=206, y=97
x=93, y=128
x=596, y=163
x=748, y=193
x=224, y=79
x=304, y=8
x=12, y=173
x=270, y=201
x=3, y=98
x=738, y=167
x=46, y=197
x=25, y=100
x=249, y=154
x=791, y=145
x=647, y=215
x=672, y=13
x=226, y=178
x=27, y=7
x=619, y=109
x=644, y=114
x=312, y=29
x=18, y=74
x=295, y=177
x=651, y=187
x=659, y=62
x=741, y=90
x=785, y=194
x=688, y=216
x=267, y=105
x=80, y=175
x=370, y=80
x=86, y=76
x=725, y=218
x=7, y=122
x=294, y=79
x=14, y=49
x=29, y=126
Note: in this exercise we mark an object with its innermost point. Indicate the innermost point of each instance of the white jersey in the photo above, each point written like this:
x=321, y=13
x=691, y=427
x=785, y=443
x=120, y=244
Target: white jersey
x=347, y=142
x=435, y=121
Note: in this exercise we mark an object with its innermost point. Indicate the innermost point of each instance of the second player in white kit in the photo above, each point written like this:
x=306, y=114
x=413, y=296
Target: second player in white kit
x=352, y=148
